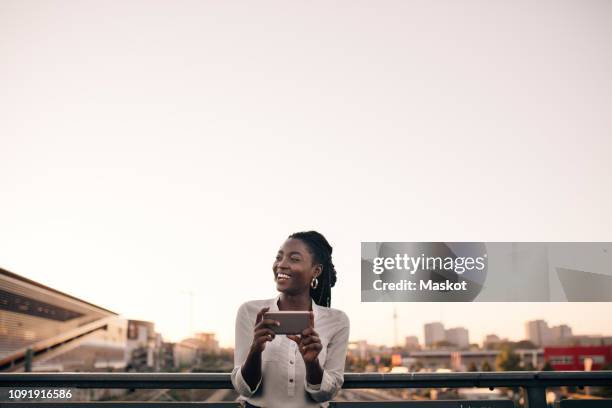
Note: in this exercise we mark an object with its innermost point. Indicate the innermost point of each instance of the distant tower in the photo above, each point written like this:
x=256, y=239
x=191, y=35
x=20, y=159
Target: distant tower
x=191, y=295
x=394, y=326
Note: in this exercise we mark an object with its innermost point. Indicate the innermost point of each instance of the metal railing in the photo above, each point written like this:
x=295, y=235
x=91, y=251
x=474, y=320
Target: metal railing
x=534, y=383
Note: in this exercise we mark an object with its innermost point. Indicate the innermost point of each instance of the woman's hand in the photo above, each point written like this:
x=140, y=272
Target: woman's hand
x=262, y=332
x=308, y=343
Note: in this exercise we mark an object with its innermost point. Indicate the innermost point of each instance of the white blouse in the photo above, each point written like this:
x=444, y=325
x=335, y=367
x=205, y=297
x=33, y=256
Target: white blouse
x=283, y=374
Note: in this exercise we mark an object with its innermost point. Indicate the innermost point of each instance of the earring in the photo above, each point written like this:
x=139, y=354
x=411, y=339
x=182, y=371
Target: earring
x=314, y=283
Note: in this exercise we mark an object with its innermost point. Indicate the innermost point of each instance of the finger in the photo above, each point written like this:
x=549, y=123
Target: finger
x=314, y=346
x=310, y=340
x=260, y=314
x=264, y=338
x=309, y=332
x=295, y=338
x=261, y=344
x=270, y=322
x=264, y=332
x=267, y=323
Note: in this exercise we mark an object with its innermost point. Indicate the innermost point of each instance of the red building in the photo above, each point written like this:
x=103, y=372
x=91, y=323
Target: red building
x=572, y=358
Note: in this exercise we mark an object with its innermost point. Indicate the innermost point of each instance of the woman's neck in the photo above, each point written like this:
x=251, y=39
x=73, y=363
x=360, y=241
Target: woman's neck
x=294, y=302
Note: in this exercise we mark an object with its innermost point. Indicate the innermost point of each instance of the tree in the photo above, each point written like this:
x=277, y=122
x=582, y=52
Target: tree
x=486, y=366
x=525, y=344
x=472, y=367
x=443, y=344
x=547, y=366
x=508, y=360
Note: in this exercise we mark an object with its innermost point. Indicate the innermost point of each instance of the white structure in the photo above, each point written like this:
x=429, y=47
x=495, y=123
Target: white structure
x=67, y=333
x=458, y=336
x=434, y=332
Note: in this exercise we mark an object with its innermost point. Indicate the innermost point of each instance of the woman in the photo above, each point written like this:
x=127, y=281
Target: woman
x=305, y=370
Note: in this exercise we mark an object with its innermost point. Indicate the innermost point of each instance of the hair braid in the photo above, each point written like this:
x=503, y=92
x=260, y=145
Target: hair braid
x=322, y=254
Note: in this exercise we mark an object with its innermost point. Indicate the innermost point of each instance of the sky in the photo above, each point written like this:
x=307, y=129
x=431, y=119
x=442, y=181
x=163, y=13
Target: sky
x=154, y=148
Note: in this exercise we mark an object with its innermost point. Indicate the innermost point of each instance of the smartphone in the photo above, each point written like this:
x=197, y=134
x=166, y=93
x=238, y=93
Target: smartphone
x=291, y=322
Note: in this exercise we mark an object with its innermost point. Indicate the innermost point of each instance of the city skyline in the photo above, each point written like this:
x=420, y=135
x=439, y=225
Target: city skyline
x=226, y=339
x=176, y=152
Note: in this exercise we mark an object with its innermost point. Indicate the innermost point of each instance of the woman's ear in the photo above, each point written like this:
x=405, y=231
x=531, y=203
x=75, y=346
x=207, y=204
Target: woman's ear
x=318, y=270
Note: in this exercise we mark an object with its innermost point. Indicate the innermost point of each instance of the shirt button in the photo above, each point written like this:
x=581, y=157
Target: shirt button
x=291, y=380
x=290, y=361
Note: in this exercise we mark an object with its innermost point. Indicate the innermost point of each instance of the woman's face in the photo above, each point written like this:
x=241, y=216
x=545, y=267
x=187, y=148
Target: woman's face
x=293, y=267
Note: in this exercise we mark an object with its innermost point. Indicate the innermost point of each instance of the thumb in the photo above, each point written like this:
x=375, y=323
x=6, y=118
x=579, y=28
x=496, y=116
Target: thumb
x=260, y=314
x=293, y=337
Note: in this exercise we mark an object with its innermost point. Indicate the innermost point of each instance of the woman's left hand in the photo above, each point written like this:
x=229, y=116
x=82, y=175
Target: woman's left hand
x=308, y=342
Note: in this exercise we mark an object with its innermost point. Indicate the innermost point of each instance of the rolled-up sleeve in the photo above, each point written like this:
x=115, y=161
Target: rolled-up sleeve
x=243, y=337
x=333, y=369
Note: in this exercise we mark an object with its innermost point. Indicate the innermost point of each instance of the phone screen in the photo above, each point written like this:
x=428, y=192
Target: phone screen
x=290, y=322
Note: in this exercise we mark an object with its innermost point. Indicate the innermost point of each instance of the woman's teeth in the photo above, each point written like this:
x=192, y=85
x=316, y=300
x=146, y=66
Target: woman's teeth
x=282, y=276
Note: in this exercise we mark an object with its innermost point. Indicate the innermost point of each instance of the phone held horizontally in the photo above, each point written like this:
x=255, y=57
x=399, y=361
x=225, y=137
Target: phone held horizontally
x=291, y=322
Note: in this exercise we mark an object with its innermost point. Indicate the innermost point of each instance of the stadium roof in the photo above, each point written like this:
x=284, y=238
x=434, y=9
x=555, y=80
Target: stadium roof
x=40, y=285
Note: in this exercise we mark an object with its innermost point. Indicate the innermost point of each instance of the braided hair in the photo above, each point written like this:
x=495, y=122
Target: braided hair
x=322, y=254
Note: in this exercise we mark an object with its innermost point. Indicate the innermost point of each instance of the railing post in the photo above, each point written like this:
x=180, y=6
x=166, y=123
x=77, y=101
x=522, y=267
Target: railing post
x=536, y=397
x=28, y=360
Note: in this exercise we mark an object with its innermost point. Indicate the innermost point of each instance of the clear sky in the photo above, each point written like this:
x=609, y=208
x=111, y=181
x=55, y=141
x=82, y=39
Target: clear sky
x=149, y=148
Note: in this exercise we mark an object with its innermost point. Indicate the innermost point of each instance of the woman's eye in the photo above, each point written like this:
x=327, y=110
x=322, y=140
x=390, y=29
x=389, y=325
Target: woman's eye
x=295, y=259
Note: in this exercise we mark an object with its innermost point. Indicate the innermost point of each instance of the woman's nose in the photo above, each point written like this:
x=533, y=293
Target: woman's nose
x=282, y=263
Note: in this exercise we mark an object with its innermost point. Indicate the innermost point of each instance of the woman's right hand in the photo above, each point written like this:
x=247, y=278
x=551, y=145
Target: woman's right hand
x=263, y=332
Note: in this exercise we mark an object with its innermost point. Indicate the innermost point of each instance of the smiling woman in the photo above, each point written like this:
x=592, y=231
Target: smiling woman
x=304, y=370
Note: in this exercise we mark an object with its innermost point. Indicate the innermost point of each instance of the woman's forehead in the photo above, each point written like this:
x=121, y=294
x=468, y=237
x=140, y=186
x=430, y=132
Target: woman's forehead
x=294, y=245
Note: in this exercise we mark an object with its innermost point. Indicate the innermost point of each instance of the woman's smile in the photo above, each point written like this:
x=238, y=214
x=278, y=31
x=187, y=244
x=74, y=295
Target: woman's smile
x=282, y=277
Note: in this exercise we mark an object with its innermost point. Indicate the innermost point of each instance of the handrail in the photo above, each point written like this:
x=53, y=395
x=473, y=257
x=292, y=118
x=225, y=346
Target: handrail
x=351, y=380
x=534, y=382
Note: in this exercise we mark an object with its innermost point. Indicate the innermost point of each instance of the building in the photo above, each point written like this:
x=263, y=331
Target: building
x=458, y=336
x=560, y=334
x=574, y=357
x=189, y=352
x=538, y=332
x=143, y=346
x=586, y=340
x=208, y=343
x=432, y=360
x=358, y=349
x=490, y=341
x=43, y=329
x=412, y=343
x=167, y=357
x=434, y=332
x=185, y=354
